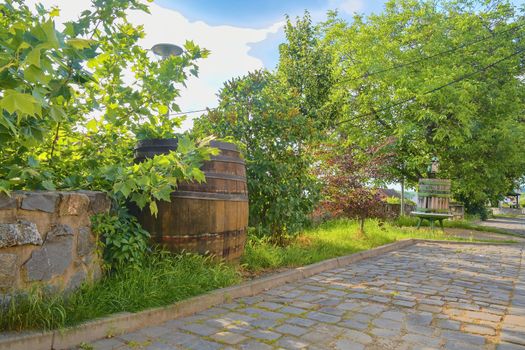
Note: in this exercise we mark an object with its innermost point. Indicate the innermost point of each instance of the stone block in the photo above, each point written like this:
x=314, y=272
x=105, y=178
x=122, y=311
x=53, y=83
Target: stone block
x=7, y=202
x=51, y=260
x=26, y=341
x=46, y=202
x=77, y=279
x=8, y=270
x=73, y=204
x=98, y=202
x=85, y=242
x=20, y=233
x=58, y=231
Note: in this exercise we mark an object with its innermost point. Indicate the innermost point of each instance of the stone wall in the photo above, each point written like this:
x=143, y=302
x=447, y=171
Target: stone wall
x=45, y=238
x=508, y=211
x=393, y=210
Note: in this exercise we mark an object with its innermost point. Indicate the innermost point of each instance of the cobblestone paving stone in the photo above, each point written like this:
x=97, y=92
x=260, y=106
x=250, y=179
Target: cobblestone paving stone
x=427, y=296
x=515, y=225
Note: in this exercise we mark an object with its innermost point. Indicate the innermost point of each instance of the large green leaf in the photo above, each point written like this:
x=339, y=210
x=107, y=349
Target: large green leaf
x=33, y=57
x=80, y=44
x=20, y=103
x=51, y=34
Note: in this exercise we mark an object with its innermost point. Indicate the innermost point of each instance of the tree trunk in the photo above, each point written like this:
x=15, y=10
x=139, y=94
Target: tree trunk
x=361, y=225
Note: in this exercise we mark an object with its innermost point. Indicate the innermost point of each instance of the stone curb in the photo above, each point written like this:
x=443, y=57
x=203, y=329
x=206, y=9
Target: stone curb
x=463, y=242
x=117, y=324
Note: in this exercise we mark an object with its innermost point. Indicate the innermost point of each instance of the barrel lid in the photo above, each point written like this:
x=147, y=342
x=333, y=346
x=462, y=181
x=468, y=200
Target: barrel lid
x=171, y=142
x=224, y=145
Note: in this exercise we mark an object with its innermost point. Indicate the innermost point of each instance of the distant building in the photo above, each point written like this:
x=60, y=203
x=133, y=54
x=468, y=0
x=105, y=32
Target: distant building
x=389, y=192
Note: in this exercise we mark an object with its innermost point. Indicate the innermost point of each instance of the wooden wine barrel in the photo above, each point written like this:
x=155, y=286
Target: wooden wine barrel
x=433, y=196
x=150, y=148
x=207, y=218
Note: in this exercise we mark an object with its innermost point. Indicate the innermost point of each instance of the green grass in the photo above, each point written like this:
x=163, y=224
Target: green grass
x=329, y=240
x=164, y=279
x=411, y=221
x=508, y=216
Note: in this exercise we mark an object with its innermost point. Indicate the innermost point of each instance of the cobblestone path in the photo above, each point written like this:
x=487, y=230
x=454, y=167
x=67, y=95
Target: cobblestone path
x=515, y=225
x=427, y=296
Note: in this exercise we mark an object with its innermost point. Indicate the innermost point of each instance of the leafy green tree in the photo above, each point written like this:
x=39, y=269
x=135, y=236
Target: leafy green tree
x=73, y=103
x=305, y=67
x=261, y=113
x=440, y=79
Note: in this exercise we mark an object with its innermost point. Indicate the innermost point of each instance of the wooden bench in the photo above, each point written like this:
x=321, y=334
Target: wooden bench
x=432, y=217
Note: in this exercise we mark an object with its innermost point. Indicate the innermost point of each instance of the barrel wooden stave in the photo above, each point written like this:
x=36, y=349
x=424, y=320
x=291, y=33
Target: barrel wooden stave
x=210, y=217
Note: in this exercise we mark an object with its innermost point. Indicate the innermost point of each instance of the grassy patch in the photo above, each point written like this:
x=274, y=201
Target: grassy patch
x=162, y=280
x=329, y=240
x=508, y=216
x=410, y=221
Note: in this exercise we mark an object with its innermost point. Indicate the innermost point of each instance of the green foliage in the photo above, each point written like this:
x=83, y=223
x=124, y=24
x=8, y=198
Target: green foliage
x=261, y=114
x=162, y=279
x=467, y=224
x=474, y=126
x=305, y=68
x=475, y=206
x=396, y=200
x=280, y=119
x=156, y=178
x=123, y=241
x=71, y=112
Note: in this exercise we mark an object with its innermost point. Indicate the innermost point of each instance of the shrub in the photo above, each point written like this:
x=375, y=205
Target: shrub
x=259, y=112
x=122, y=240
x=348, y=186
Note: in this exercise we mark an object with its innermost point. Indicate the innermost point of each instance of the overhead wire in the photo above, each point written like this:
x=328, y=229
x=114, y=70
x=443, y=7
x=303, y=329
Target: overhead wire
x=437, y=54
x=394, y=67
x=412, y=98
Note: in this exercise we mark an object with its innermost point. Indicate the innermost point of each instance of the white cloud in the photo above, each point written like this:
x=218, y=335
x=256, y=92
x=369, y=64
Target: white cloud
x=229, y=46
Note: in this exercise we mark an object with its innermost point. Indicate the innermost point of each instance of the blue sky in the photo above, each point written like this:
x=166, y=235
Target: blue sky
x=261, y=14
x=258, y=14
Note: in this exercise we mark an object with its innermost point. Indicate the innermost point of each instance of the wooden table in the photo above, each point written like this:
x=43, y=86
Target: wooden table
x=432, y=217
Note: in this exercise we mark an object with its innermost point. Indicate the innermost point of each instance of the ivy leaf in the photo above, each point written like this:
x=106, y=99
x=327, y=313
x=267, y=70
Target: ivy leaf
x=33, y=57
x=18, y=102
x=198, y=175
x=48, y=185
x=153, y=208
x=51, y=35
x=32, y=162
x=35, y=75
x=185, y=145
x=55, y=12
x=123, y=188
x=91, y=126
x=80, y=44
x=57, y=113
